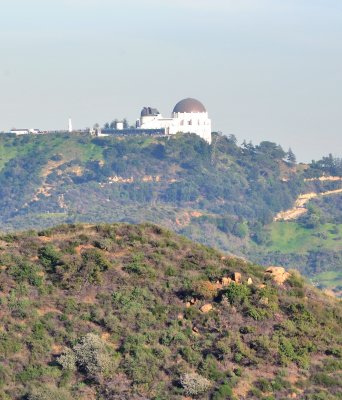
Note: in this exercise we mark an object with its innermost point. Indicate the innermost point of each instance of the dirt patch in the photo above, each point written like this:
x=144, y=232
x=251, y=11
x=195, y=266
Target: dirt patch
x=184, y=219
x=196, y=214
x=82, y=247
x=45, y=239
x=56, y=349
x=299, y=207
x=45, y=310
x=51, y=166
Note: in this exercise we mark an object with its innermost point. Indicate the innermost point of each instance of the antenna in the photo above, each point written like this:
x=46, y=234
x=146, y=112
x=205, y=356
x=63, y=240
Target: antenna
x=70, y=125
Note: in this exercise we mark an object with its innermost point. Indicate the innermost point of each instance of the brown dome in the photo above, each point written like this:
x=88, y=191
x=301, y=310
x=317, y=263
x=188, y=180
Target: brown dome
x=189, y=106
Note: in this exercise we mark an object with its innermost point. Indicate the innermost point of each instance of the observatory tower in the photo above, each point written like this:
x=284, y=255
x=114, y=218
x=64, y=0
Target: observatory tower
x=70, y=125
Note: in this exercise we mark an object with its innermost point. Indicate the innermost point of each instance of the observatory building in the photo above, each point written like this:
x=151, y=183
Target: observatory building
x=188, y=116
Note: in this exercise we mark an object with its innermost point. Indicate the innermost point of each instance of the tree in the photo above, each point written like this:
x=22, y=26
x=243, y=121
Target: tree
x=125, y=123
x=290, y=156
x=113, y=124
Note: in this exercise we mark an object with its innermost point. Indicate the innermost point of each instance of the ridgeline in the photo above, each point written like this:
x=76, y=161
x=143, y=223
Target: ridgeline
x=224, y=195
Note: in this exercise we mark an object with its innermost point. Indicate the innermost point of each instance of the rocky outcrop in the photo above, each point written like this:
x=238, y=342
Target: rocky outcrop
x=237, y=277
x=278, y=274
x=206, y=308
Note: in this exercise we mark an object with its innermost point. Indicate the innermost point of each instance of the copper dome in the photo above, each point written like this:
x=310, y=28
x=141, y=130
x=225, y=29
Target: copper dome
x=189, y=106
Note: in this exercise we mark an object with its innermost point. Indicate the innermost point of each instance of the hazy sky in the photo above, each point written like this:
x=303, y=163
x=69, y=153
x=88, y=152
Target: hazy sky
x=265, y=69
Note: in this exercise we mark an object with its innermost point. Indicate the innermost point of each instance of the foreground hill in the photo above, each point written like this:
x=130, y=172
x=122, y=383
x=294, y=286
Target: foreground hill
x=136, y=312
x=223, y=195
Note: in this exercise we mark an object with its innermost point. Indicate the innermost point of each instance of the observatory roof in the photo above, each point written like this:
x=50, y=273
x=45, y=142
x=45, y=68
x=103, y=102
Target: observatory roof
x=189, y=106
x=149, y=111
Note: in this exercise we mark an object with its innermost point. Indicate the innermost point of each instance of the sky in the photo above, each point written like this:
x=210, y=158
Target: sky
x=264, y=69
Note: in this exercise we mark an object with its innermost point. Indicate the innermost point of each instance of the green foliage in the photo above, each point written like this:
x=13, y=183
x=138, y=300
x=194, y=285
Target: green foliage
x=116, y=321
x=326, y=380
x=237, y=294
x=237, y=190
x=224, y=392
x=91, y=355
x=138, y=266
x=25, y=272
x=68, y=360
x=50, y=258
x=48, y=393
x=93, y=263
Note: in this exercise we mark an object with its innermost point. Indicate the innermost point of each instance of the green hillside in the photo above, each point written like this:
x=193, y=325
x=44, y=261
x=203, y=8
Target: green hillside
x=223, y=195
x=293, y=237
x=136, y=312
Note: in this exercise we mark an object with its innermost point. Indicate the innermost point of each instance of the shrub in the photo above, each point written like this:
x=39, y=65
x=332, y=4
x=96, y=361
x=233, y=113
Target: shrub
x=209, y=368
x=224, y=392
x=194, y=384
x=237, y=294
x=67, y=360
x=138, y=267
x=205, y=290
x=23, y=271
x=264, y=385
x=191, y=356
x=325, y=380
x=91, y=354
x=48, y=393
x=50, y=258
x=257, y=314
x=93, y=263
x=247, y=329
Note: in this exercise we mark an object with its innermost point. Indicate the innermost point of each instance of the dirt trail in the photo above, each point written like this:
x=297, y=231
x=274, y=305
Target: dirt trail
x=324, y=179
x=299, y=207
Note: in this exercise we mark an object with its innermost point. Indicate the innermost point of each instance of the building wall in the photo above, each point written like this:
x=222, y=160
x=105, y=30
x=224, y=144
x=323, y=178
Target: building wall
x=197, y=123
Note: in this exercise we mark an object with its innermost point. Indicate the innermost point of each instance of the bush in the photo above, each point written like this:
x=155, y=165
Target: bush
x=325, y=380
x=91, y=354
x=48, y=393
x=205, y=290
x=50, y=258
x=93, y=264
x=224, y=392
x=237, y=294
x=264, y=385
x=194, y=384
x=67, y=360
x=138, y=267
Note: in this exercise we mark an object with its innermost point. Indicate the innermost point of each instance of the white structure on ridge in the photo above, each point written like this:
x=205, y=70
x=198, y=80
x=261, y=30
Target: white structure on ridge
x=188, y=116
x=70, y=126
x=25, y=131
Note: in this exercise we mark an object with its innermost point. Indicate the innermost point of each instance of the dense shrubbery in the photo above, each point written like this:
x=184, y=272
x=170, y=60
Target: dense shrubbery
x=138, y=329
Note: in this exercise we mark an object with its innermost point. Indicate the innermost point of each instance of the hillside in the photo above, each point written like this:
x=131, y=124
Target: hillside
x=223, y=195
x=136, y=312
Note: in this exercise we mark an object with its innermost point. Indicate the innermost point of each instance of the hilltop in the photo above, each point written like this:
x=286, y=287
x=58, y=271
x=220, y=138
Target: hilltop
x=136, y=312
x=224, y=195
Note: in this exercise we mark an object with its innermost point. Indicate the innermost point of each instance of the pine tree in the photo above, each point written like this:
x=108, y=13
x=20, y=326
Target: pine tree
x=291, y=156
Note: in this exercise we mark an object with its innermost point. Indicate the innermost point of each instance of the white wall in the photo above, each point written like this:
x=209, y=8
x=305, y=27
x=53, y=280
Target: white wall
x=197, y=123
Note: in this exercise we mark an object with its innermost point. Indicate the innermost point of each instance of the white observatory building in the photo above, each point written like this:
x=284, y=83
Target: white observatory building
x=188, y=116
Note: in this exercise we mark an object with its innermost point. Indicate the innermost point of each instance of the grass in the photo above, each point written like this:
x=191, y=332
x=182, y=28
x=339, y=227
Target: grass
x=72, y=148
x=84, y=152
x=289, y=237
x=329, y=279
